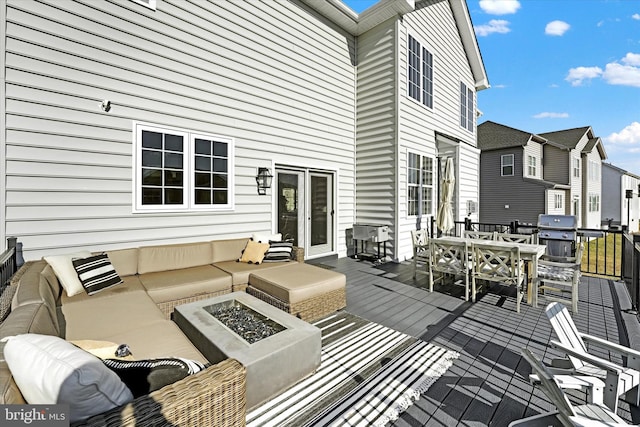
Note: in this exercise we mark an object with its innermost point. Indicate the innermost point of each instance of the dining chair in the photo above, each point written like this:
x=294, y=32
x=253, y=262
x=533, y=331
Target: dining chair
x=421, y=251
x=449, y=258
x=560, y=281
x=515, y=238
x=482, y=235
x=498, y=263
x=619, y=379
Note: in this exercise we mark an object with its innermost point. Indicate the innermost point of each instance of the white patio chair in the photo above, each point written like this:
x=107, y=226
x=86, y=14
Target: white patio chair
x=619, y=380
x=497, y=263
x=481, y=235
x=515, y=238
x=421, y=251
x=449, y=258
x=559, y=281
x=567, y=414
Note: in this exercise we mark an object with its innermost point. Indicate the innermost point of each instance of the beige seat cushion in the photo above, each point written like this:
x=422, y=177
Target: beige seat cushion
x=129, y=284
x=240, y=270
x=112, y=314
x=177, y=284
x=161, y=338
x=297, y=283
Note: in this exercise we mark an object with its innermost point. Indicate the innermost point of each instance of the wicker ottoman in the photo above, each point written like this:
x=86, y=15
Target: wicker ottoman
x=303, y=290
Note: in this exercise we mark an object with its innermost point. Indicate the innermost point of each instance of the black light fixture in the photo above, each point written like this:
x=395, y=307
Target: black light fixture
x=263, y=179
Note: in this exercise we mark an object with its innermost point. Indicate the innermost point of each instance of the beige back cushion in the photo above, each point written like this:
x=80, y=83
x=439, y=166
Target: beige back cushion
x=228, y=250
x=125, y=261
x=173, y=257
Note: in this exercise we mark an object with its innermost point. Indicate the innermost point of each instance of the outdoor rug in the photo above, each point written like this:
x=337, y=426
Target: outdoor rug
x=368, y=375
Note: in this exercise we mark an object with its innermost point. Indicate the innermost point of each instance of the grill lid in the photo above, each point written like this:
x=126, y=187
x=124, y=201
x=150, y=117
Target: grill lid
x=557, y=222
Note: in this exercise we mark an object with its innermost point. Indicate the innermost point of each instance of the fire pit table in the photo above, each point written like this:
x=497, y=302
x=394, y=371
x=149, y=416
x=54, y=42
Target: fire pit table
x=277, y=349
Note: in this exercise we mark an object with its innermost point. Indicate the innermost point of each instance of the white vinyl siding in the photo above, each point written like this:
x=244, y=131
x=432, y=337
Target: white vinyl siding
x=284, y=90
x=533, y=160
x=506, y=165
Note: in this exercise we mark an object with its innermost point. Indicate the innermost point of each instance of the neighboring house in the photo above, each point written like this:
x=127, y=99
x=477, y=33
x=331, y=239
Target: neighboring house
x=524, y=174
x=577, y=162
x=512, y=175
x=617, y=208
x=139, y=122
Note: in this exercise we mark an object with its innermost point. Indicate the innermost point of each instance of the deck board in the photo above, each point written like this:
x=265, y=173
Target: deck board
x=488, y=383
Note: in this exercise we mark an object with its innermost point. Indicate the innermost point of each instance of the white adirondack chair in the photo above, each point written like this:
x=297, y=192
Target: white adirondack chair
x=619, y=380
x=568, y=415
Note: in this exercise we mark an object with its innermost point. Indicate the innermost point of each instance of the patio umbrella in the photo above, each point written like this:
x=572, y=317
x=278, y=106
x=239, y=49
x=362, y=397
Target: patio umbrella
x=444, y=219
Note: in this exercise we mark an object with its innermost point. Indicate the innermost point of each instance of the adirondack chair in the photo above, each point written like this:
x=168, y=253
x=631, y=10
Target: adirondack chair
x=449, y=257
x=482, y=235
x=567, y=414
x=498, y=263
x=619, y=380
x=421, y=251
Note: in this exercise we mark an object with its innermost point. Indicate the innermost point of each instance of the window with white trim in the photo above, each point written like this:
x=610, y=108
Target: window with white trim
x=181, y=170
x=506, y=165
x=420, y=73
x=594, y=171
x=467, y=111
x=419, y=184
x=594, y=202
x=576, y=168
x=532, y=164
x=558, y=201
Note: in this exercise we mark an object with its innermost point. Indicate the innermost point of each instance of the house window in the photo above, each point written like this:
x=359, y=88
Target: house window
x=466, y=107
x=179, y=170
x=506, y=165
x=419, y=184
x=594, y=202
x=558, y=201
x=420, y=72
x=531, y=165
x=576, y=168
x=594, y=171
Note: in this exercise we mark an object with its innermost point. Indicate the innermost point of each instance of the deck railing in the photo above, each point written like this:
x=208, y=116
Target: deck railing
x=8, y=263
x=631, y=267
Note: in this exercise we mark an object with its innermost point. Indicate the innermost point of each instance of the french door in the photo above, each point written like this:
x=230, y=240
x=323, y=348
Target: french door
x=305, y=209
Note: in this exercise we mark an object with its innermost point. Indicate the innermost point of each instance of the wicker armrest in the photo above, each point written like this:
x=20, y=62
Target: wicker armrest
x=298, y=253
x=214, y=397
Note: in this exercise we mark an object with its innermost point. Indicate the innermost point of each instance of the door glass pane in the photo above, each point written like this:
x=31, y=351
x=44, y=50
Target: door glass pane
x=288, y=205
x=319, y=206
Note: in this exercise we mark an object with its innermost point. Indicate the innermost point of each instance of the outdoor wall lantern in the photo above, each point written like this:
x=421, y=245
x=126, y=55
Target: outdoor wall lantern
x=263, y=179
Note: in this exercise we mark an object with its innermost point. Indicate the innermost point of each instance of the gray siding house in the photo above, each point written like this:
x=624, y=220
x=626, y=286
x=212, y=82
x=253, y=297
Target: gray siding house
x=137, y=122
x=617, y=209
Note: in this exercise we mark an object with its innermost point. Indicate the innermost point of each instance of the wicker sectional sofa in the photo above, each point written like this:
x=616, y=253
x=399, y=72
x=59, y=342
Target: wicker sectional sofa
x=137, y=312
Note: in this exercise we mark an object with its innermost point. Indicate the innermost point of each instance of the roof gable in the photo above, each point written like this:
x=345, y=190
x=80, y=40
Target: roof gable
x=569, y=138
x=494, y=136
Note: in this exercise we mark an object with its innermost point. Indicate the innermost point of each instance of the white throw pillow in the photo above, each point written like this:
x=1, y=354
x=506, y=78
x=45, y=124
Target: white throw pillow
x=50, y=370
x=66, y=273
x=266, y=237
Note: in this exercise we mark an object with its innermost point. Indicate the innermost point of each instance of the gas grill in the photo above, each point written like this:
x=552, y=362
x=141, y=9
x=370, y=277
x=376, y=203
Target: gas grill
x=559, y=233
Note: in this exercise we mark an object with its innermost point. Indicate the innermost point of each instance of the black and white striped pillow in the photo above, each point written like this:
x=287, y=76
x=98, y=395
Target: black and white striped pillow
x=278, y=252
x=96, y=273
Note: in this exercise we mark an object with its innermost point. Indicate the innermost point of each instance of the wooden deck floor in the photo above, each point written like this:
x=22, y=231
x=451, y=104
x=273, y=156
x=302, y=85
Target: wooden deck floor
x=488, y=384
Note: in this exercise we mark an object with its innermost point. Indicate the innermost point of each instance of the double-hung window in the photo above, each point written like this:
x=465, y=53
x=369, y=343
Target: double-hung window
x=594, y=171
x=506, y=165
x=419, y=185
x=466, y=107
x=594, y=202
x=532, y=164
x=180, y=170
x=558, y=201
x=576, y=168
x=420, y=73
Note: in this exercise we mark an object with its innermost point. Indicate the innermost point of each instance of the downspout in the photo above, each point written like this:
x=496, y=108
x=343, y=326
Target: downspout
x=396, y=70
x=3, y=122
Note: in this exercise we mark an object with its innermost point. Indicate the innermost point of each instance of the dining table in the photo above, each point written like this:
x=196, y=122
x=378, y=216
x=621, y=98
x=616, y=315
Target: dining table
x=529, y=252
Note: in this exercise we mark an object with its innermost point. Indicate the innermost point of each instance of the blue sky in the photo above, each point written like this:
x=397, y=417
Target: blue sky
x=561, y=64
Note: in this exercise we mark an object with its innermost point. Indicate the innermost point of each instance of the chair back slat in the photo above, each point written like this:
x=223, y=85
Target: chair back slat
x=566, y=330
x=497, y=263
x=449, y=257
x=482, y=235
x=515, y=238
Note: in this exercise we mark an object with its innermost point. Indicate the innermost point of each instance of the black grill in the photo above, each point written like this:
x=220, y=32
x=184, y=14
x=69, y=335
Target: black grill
x=559, y=233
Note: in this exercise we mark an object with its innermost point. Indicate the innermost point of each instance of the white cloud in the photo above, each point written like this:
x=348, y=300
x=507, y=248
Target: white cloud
x=623, y=75
x=500, y=7
x=549, y=115
x=629, y=136
x=632, y=59
x=494, y=26
x=636, y=16
x=556, y=28
x=579, y=74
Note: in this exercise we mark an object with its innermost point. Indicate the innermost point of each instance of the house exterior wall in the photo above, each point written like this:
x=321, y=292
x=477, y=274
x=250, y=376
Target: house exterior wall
x=630, y=207
x=612, y=195
x=433, y=25
x=592, y=187
x=552, y=209
x=556, y=166
x=239, y=69
x=532, y=149
x=508, y=198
